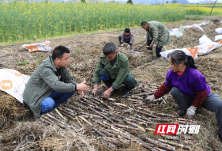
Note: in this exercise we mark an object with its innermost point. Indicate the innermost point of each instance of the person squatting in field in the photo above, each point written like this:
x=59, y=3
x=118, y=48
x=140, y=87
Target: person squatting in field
x=113, y=70
x=127, y=37
x=188, y=88
x=51, y=83
x=156, y=33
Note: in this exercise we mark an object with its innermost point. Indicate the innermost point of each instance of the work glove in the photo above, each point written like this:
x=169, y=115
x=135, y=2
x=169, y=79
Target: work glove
x=122, y=45
x=191, y=111
x=128, y=47
x=150, y=99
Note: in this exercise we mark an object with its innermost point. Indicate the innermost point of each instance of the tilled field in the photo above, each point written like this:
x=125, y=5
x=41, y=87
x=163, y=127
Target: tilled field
x=119, y=124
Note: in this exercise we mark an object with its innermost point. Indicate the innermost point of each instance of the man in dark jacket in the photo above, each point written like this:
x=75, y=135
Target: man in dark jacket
x=51, y=83
x=113, y=70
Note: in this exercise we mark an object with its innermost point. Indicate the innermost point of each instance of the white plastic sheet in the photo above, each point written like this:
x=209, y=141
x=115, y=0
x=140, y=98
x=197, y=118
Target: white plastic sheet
x=218, y=38
x=178, y=32
x=197, y=50
x=204, y=39
x=13, y=83
x=218, y=30
x=44, y=46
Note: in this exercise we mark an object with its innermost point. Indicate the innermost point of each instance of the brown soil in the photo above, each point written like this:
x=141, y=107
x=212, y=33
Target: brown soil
x=85, y=51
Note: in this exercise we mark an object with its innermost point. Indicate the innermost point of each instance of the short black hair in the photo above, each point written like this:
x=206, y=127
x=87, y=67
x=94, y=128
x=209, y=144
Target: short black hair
x=109, y=48
x=143, y=23
x=59, y=51
x=127, y=30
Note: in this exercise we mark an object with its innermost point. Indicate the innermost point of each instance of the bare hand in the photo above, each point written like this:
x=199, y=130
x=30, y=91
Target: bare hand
x=95, y=90
x=83, y=87
x=108, y=92
x=144, y=44
x=151, y=45
x=81, y=94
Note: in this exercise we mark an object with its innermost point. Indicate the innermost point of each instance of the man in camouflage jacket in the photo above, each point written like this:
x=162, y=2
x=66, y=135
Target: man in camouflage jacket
x=157, y=33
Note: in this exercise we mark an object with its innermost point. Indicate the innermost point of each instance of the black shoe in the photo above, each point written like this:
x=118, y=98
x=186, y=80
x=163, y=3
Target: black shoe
x=149, y=48
x=220, y=136
x=181, y=112
x=124, y=92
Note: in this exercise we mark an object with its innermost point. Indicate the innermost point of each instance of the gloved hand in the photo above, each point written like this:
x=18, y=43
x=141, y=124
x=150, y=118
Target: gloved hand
x=150, y=98
x=128, y=47
x=191, y=111
x=122, y=45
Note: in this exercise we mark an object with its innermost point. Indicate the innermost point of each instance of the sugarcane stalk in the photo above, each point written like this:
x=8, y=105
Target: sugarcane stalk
x=62, y=123
x=147, y=120
x=91, y=115
x=111, y=99
x=85, y=120
x=72, y=107
x=117, y=114
x=59, y=124
x=147, y=146
x=58, y=117
x=61, y=115
x=138, y=119
x=150, y=129
x=107, y=133
x=68, y=115
x=100, y=123
x=147, y=114
x=98, y=132
x=114, y=119
x=183, y=119
x=108, y=119
x=74, y=124
x=90, y=102
x=44, y=120
x=120, y=105
x=124, y=141
x=163, y=114
x=143, y=94
x=91, y=99
x=134, y=100
x=135, y=125
x=175, y=144
x=162, y=145
x=113, y=141
x=79, y=121
x=83, y=107
x=136, y=97
x=120, y=131
x=67, y=112
x=127, y=127
x=113, y=132
x=158, y=149
x=110, y=145
x=100, y=101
